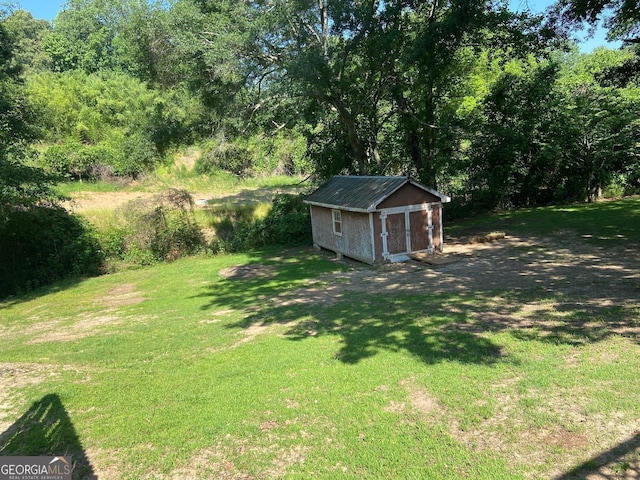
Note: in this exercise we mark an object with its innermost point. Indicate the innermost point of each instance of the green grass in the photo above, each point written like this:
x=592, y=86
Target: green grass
x=68, y=189
x=606, y=224
x=151, y=373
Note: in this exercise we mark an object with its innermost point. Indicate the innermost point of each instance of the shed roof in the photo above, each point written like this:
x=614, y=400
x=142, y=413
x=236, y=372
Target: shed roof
x=361, y=193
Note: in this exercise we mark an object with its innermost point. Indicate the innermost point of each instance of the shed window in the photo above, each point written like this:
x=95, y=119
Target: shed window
x=337, y=222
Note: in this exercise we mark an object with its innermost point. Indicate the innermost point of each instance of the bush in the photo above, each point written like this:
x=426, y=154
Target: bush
x=77, y=161
x=283, y=154
x=43, y=244
x=137, y=154
x=230, y=157
x=288, y=223
x=159, y=229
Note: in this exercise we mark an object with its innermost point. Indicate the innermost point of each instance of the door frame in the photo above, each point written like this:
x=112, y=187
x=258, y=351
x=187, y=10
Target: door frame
x=406, y=210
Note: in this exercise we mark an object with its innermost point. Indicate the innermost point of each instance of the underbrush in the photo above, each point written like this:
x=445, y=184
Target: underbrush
x=286, y=223
x=166, y=227
x=148, y=231
x=42, y=245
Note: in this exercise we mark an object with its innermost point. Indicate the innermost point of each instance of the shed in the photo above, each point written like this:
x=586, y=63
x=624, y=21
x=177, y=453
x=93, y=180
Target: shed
x=376, y=219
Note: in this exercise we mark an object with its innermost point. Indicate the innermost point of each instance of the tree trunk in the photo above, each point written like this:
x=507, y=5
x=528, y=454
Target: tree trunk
x=411, y=129
x=360, y=152
x=428, y=174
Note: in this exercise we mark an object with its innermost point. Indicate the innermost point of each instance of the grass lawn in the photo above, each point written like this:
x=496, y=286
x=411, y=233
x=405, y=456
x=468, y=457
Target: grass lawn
x=292, y=366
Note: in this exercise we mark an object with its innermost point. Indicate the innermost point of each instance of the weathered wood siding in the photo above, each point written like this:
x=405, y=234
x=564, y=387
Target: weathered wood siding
x=408, y=195
x=419, y=231
x=355, y=241
x=396, y=233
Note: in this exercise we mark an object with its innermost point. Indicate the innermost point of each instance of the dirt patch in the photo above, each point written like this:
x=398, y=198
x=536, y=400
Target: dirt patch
x=17, y=376
x=541, y=451
x=312, y=295
x=89, y=323
x=104, y=463
x=223, y=460
x=248, y=334
x=244, y=272
x=121, y=296
x=606, y=277
x=86, y=326
x=434, y=259
x=88, y=201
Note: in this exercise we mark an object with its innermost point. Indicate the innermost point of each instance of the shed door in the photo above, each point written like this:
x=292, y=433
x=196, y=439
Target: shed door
x=406, y=230
x=398, y=234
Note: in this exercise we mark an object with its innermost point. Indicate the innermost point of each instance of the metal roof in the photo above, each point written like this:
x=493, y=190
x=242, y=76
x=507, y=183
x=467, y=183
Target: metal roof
x=361, y=193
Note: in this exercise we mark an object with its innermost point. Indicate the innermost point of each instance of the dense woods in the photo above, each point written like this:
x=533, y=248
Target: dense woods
x=495, y=108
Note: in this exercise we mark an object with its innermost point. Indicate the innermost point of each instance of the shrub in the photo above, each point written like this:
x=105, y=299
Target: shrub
x=78, y=161
x=159, y=229
x=288, y=223
x=137, y=154
x=43, y=244
x=283, y=154
x=231, y=157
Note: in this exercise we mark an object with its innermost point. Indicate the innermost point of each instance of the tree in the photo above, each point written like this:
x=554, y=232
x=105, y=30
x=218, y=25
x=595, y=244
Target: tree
x=40, y=242
x=513, y=154
x=602, y=129
x=621, y=17
x=28, y=35
x=551, y=132
x=128, y=35
x=379, y=71
x=19, y=185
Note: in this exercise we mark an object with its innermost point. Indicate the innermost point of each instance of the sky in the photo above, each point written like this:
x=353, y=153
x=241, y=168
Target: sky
x=47, y=9
x=539, y=6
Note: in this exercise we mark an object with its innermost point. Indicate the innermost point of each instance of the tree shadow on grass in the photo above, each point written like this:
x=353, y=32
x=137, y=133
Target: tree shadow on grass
x=46, y=429
x=365, y=324
x=621, y=461
x=429, y=314
x=396, y=325
x=8, y=301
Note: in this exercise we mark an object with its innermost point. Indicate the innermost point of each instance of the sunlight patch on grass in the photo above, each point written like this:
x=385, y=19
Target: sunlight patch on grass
x=202, y=373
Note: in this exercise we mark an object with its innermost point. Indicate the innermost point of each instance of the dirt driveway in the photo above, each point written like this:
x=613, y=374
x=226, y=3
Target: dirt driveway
x=558, y=264
x=577, y=275
x=566, y=265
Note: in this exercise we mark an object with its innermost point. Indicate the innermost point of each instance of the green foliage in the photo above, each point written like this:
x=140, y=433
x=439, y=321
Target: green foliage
x=40, y=242
x=28, y=35
x=282, y=154
x=375, y=85
x=42, y=245
x=622, y=17
x=93, y=123
x=76, y=160
x=156, y=230
x=287, y=223
x=224, y=156
x=511, y=157
x=459, y=94
x=549, y=132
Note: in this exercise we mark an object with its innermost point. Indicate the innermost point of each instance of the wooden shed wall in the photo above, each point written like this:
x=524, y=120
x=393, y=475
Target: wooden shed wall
x=408, y=194
x=355, y=241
